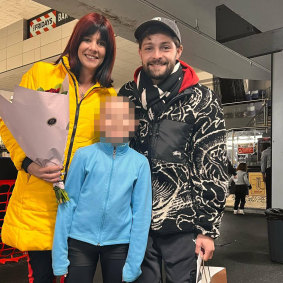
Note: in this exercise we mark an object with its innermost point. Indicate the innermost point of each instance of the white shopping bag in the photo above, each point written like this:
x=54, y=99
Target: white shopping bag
x=210, y=274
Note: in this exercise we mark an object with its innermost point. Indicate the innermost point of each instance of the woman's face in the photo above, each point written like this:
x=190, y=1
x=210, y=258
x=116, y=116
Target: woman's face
x=91, y=52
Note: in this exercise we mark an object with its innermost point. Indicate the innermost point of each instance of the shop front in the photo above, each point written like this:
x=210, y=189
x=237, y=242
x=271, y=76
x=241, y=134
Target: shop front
x=246, y=146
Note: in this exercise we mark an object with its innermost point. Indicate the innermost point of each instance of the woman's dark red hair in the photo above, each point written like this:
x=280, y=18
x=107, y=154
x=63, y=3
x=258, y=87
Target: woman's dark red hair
x=88, y=25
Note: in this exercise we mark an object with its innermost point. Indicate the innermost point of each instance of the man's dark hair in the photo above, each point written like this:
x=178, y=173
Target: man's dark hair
x=154, y=29
x=265, y=146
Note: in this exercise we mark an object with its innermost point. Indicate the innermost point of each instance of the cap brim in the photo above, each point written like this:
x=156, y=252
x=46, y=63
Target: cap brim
x=140, y=29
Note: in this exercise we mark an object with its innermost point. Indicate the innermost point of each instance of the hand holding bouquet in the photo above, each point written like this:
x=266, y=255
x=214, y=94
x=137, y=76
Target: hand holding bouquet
x=39, y=121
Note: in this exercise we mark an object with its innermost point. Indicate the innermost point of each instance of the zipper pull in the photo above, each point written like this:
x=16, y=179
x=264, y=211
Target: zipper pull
x=114, y=152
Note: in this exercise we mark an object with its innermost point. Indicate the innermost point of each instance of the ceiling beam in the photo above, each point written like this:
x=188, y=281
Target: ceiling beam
x=258, y=44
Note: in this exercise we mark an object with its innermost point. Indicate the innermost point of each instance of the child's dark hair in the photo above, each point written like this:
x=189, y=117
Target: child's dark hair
x=242, y=167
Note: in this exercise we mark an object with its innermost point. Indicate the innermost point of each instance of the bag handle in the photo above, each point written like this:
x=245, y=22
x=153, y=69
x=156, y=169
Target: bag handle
x=202, y=272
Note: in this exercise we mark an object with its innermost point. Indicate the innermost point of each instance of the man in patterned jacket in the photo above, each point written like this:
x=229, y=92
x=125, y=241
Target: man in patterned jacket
x=182, y=133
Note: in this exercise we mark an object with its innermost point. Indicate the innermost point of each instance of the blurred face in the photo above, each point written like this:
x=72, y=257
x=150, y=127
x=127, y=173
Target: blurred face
x=159, y=53
x=117, y=121
x=91, y=52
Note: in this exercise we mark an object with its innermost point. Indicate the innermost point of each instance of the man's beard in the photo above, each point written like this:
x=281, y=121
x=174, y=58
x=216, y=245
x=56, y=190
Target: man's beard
x=159, y=76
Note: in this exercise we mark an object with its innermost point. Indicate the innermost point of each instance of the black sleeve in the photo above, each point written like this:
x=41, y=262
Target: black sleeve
x=208, y=166
x=26, y=162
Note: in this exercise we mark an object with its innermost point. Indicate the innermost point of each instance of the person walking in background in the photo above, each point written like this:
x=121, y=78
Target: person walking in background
x=266, y=173
x=88, y=60
x=231, y=169
x=182, y=133
x=242, y=186
x=109, y=212
x=232, y=174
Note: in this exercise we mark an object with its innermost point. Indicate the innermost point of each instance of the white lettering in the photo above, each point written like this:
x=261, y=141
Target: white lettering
x=62, y=16
x=42, y=24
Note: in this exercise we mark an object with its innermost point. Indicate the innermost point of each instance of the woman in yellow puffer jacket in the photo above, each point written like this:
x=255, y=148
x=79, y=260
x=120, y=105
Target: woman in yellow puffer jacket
x=88, y=60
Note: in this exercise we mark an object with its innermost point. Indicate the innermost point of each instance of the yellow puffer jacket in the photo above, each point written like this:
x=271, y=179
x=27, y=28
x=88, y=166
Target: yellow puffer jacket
x=30, y=218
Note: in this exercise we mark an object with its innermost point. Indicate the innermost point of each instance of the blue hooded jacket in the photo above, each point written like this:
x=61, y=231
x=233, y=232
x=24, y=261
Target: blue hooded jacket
x=110, y=203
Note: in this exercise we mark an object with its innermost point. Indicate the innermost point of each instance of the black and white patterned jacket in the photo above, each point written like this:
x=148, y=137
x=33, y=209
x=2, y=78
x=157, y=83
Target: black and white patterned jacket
x=186, y=148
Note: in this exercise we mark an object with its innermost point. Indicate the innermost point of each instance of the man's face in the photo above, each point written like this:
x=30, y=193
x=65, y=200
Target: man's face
x=117, y=120
x=159, y=53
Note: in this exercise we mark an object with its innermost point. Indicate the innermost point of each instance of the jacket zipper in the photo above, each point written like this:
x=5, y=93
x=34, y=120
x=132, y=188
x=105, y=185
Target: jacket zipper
x=107, y=197
x=154, y=137
x=78, y=104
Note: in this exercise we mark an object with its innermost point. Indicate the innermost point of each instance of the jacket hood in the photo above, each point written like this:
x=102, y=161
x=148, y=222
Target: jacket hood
x=190, y=76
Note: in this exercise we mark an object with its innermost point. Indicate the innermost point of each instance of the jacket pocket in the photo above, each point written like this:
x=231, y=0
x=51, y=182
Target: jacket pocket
x=171, y=140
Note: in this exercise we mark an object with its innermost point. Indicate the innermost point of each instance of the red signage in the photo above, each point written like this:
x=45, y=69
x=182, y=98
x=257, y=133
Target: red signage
x=42, y=24
x=47, y=21
x=245, y=148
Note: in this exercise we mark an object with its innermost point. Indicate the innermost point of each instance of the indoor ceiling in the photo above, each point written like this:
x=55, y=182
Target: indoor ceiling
x=127, y=58
x=195, y=18
x=11, y=11
x=14, y=10
x=197, y=22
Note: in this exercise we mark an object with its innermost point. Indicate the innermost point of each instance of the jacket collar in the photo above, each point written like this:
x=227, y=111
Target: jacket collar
x=109, y=148
x=66, y=62
x=190, y=76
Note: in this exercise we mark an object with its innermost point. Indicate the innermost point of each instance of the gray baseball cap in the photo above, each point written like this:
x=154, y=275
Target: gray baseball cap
x=164, y=22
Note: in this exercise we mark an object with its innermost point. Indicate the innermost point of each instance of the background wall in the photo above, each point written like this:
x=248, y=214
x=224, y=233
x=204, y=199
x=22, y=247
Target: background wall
x=16, y=52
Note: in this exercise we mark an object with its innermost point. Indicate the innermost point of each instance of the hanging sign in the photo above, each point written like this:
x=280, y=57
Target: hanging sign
x=245, y=148
x=47, y=21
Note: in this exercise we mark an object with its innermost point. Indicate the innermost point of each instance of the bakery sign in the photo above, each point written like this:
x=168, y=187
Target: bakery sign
x=47, y=21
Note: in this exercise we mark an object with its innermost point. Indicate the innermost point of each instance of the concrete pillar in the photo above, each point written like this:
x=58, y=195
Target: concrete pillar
x=277, y=130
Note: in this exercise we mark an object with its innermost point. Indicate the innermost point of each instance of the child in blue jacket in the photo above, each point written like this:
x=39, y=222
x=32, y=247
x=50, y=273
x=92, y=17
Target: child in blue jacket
x=109, y=212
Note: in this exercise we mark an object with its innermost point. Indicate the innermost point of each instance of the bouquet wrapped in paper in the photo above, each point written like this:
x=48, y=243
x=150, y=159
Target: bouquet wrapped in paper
x=39, y=121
